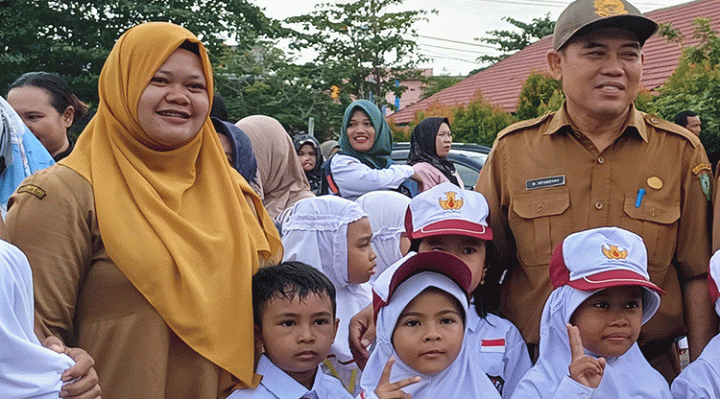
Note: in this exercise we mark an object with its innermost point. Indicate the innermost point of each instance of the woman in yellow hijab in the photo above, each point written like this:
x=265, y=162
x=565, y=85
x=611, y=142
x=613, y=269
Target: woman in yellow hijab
x=143, y=241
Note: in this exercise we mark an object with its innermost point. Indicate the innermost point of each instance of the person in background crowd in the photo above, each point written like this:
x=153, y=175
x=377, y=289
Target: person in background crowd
x=598, y=161
x=311, y=159
x=329, y=148
x=690, y=121
x=281, y=177
x=430, y=145
x=363, y=163
x=21, y=153
x=143, y=241
x=49, y=108
x=236, y=144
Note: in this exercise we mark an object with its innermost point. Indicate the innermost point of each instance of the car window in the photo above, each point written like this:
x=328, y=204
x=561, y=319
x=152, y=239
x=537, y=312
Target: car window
x=469, y=176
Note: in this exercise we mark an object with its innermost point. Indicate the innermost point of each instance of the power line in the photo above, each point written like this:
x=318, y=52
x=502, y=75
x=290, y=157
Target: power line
x=454, y=49
x=458, y=42
x=549, y=3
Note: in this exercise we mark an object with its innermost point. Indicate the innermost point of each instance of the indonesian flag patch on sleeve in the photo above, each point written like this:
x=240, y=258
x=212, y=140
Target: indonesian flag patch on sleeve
x=493, y=345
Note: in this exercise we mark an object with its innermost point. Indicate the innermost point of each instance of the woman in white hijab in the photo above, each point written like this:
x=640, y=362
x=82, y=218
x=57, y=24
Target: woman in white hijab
x=386, y=212
x=321, y=233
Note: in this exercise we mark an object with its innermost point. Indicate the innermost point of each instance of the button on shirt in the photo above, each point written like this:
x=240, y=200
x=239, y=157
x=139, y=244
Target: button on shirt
x=596, y=189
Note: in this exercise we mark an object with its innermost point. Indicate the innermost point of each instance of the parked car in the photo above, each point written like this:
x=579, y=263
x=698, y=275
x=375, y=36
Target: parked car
x=467, y=158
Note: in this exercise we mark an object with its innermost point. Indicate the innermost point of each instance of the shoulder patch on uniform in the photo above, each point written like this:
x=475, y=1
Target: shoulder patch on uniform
x=702, y=166
x=672, y=128
x=523, y=124
x=32, y=189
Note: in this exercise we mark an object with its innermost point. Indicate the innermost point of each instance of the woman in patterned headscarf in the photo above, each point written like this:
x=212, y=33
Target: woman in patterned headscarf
x=143, y=241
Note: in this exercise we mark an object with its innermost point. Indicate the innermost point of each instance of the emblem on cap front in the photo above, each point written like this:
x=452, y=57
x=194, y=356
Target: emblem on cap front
x=613, y=252
x=451, y=203
x=609, y=8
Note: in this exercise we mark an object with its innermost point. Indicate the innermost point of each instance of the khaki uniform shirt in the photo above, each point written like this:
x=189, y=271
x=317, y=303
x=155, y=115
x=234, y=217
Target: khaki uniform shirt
x=83, y=298
x=543, y=181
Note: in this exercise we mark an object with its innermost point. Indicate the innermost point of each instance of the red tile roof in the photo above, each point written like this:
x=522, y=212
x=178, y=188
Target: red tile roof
x=500, y=84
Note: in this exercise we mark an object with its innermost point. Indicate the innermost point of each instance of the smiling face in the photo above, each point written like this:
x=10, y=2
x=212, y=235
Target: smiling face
x=175, y=103
x=360, y=131
x=443, y=140
x=470, y=250
x=34, y=105
x=308, y=157
x=610, y=320
x=297, y=334
x=360, y=257
x=600, y=73
x=429, y=332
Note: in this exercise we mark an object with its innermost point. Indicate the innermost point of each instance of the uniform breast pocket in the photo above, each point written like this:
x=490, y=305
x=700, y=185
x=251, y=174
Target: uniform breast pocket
x=656, y=222
x=538, y=220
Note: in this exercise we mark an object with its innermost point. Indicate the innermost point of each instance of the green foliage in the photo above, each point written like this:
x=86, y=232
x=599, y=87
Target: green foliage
x=479, y=122
x=361, y=45
x=695, y=84
x=509, y=42
x=539, y=94
x=437, y=83
x=73, y=37
x=264, y=80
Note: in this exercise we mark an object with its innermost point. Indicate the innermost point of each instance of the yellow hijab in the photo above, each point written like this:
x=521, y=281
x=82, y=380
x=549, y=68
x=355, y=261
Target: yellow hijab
x=177, y=223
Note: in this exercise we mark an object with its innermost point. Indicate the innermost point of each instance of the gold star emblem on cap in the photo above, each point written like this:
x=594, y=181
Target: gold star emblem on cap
x=609, y=8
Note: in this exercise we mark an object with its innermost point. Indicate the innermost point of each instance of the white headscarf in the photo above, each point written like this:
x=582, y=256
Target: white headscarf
x=316, y=234
x=27, y=368
x=628, y=376
x=386, y=212
x=462, y=379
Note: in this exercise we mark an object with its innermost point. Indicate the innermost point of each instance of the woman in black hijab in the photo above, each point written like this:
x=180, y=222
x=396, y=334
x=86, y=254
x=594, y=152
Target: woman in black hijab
x=430, y=144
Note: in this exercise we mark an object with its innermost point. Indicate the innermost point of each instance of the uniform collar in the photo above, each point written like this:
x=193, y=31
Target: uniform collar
x=280, y=383
x=561, y=122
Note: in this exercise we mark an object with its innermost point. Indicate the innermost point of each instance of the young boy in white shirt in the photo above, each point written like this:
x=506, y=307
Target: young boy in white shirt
x=294, y=312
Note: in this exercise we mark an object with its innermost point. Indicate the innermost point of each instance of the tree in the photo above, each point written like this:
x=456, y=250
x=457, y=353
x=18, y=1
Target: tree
x=363, y=47
x=509, y=42
x=695, y=84
x=539, y=94
x=73, y=37
x=264, y=80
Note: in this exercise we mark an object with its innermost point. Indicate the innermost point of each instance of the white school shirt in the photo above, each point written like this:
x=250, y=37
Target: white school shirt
x=353, y=178
x=701, y=378
x=27, y=369
x=629, y=376
x=315, y=233
x=276, y=384
x=500, y=350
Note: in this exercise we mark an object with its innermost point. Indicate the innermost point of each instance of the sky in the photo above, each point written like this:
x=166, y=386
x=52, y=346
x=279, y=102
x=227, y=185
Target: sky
x=448, y=37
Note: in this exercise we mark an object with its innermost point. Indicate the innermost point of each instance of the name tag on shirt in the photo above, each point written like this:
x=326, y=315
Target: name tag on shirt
x=493, y=345
x=543, y=182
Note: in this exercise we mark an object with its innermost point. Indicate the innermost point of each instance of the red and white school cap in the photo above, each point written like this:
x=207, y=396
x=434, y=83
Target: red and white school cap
x=431, y=261
x=448, y=209
x=601, y=258
x=714, y=280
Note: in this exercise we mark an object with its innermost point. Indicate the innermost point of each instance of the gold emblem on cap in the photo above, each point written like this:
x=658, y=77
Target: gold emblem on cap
x=613, y=252
x=655, y=182
x=609, y=8
x=451, y=202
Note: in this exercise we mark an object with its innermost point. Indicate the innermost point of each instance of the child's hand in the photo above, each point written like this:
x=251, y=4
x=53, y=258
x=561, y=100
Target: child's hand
x=388, y=390
x=584, y=369
x=362, y=334
x=80, y=380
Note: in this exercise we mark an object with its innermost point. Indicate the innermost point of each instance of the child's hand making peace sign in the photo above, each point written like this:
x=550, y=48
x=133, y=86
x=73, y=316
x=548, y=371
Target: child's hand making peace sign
x=584, y=369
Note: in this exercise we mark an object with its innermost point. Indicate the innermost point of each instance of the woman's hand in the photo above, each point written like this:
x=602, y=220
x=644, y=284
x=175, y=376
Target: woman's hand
x=388, y=390
x=362, y=334
x=584, y=369
x=81, y=380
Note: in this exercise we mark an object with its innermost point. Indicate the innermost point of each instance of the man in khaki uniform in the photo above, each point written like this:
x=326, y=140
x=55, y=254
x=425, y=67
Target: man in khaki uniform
x=600, y=162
